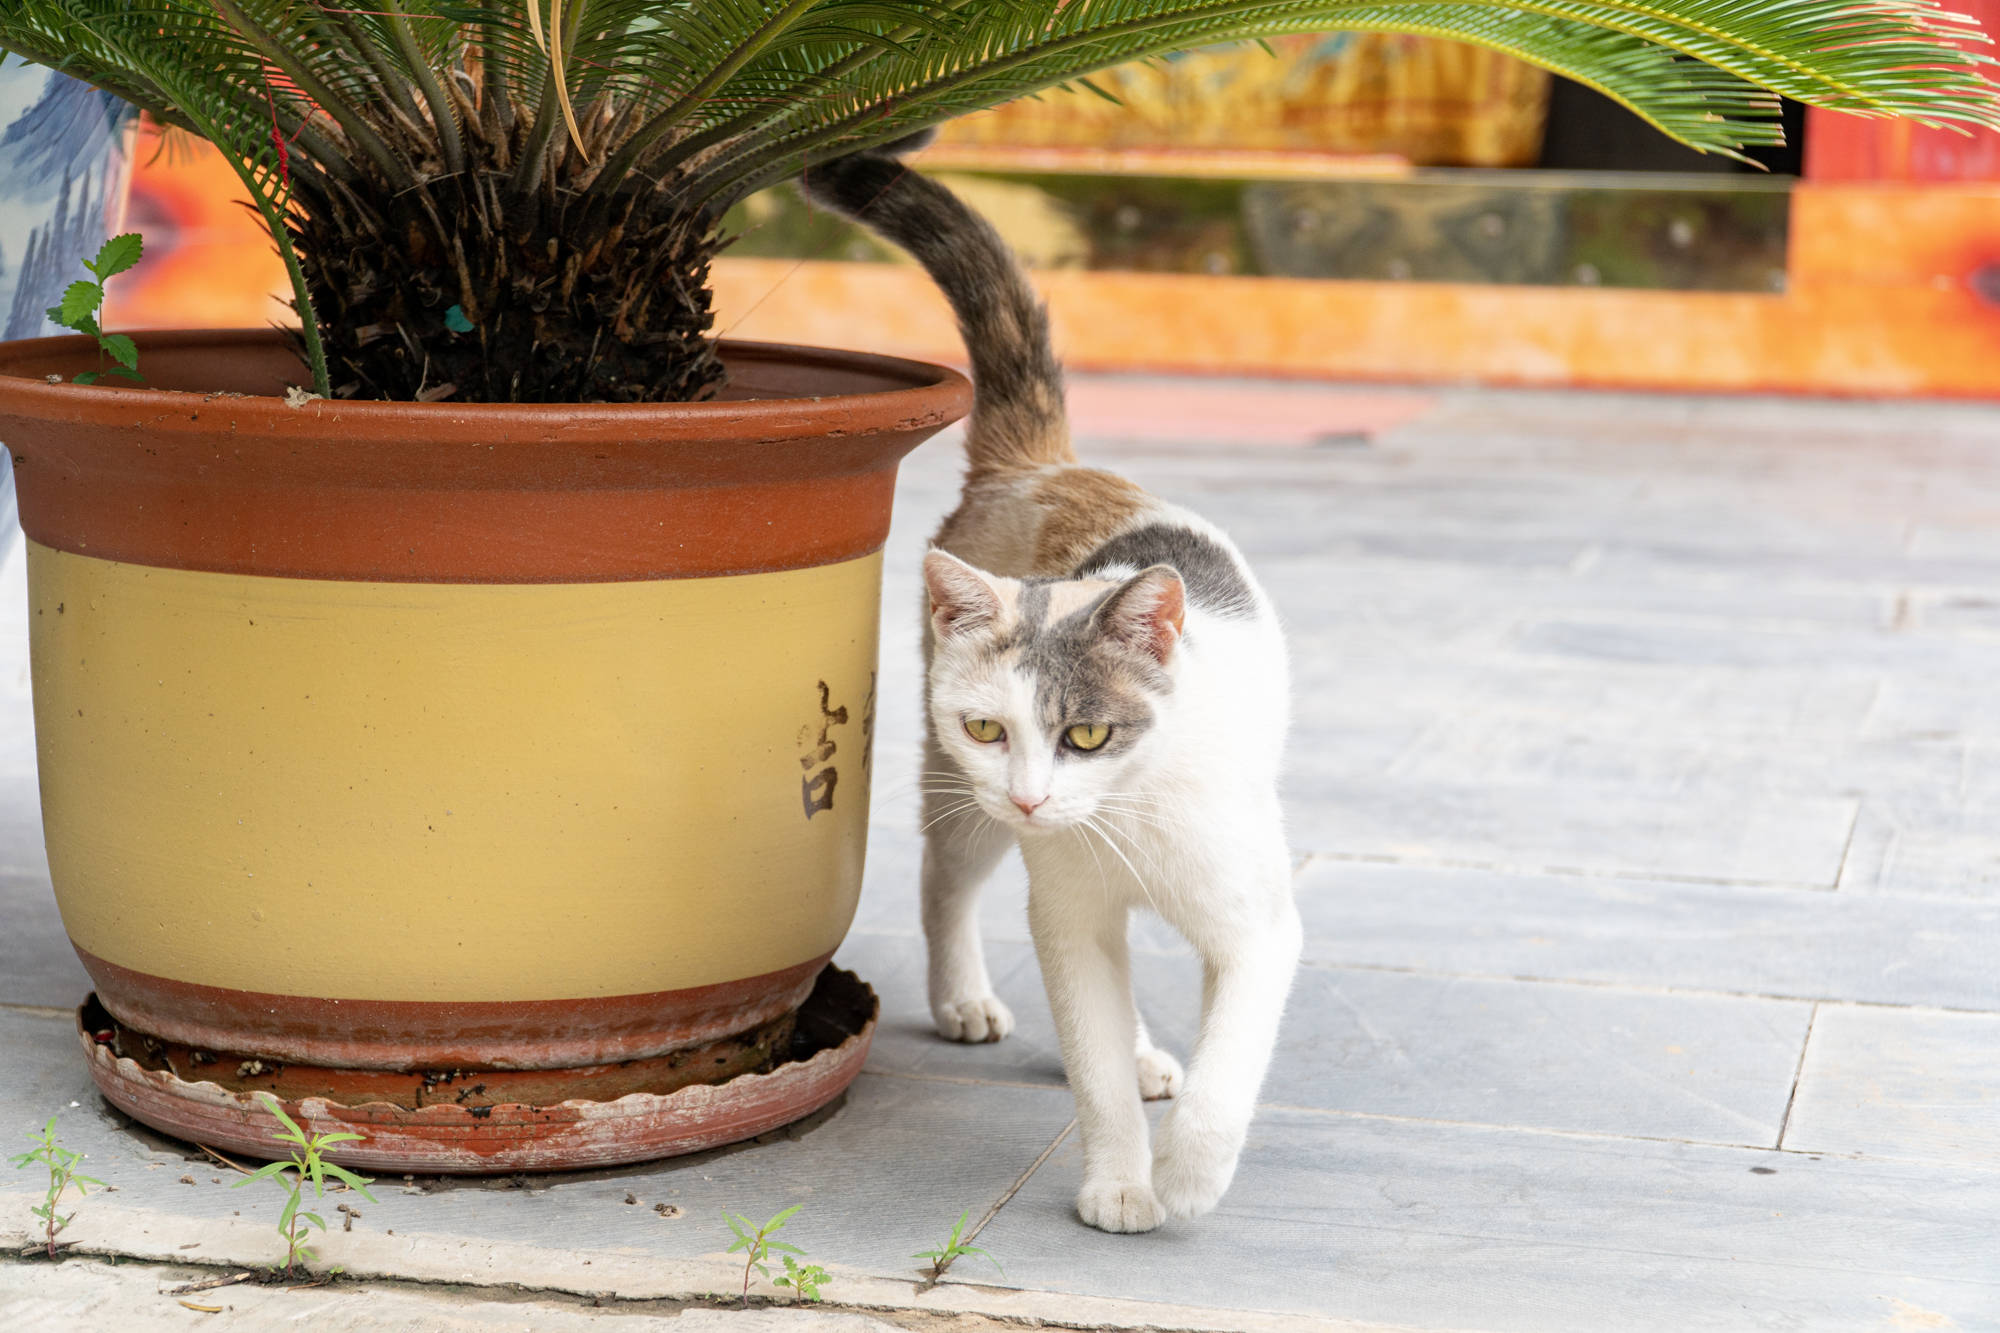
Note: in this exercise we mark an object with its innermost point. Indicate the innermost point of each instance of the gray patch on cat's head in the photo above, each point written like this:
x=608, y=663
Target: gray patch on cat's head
x=1081, y=673
x=1216, y=580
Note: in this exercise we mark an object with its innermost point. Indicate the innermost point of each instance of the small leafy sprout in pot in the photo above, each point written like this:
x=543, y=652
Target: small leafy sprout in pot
x=82, y=300
x=306, y=1165
x=61, y=1164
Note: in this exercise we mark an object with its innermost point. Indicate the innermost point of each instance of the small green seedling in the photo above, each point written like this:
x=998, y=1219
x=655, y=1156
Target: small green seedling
x=61, y=1164
x=307, y=1165
x=757, y=1245
x=954, y=1248
x=82, y=299
x=805, y=1279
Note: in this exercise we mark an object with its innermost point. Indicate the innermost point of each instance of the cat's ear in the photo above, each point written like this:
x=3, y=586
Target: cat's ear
x=1147, y=613
x=962, y=598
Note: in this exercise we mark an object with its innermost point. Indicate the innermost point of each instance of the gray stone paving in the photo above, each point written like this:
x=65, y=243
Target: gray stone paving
x=1644, y=784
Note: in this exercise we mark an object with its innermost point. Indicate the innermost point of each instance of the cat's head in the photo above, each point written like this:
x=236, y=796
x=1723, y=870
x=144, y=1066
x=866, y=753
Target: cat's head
x=1049, y=693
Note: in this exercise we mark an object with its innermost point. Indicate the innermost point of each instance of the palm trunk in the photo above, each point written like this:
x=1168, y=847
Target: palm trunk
x=442, y=295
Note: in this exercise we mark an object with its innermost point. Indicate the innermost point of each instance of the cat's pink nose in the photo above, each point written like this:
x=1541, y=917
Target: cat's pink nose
x=1029, y=807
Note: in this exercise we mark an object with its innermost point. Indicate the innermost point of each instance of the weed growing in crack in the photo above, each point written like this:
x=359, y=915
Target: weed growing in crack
x=805, y=1279
x=61, y=1164
x=954, y=1248
x=307, y=1165
x=757, y=1247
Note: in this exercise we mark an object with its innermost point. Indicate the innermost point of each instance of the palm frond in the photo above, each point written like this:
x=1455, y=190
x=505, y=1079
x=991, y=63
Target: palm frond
x=1703, y=72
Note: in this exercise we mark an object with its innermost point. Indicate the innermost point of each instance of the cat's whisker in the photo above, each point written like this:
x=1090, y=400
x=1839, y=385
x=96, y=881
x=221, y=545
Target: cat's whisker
x=1140, y=850
x=1136, y=816
x=1104, y=833
x=1137, y=796
x=954, y=812
x=1145, y=812
x=967, y=829
x=1120, y=803
x=1104, y=880
x=1117, y=803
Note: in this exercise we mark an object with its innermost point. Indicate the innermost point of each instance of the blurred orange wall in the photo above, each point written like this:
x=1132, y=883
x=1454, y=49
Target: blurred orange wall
x=208, y=262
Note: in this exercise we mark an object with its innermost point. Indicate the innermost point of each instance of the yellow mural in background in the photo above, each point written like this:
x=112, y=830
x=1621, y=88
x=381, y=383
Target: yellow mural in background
x=1432, y=103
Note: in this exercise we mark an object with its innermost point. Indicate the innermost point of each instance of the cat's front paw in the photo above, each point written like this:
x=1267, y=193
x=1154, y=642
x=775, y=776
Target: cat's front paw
x=1159, y=1075
x=1119, y=1205
x=1191, y=1167
x=982, y=1018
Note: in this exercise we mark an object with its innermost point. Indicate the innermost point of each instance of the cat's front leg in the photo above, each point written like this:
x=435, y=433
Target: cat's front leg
x=1080, y=941
x=1246, y=976
x=961, y=847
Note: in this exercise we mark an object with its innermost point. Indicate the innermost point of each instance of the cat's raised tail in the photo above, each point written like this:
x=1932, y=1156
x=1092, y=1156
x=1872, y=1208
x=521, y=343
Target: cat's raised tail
x=1018, y=421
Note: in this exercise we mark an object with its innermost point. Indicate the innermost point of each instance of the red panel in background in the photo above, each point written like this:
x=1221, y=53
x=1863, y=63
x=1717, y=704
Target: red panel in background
x=1841, y=147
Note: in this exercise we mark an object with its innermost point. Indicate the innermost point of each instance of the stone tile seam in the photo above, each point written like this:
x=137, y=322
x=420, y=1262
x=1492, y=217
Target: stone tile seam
x=881, y=1293
x=1530, y=1242
x=1490, y=1126
x=1724, y=622
x=503, y=1292
x=1893, y=593
x=1637, y=988
x=1662, y=880
x=1484, y=1126
x=1846, y=847
x=1314, y=857
x=1527, y=978
x=963, y=1080
x=1798, y=1076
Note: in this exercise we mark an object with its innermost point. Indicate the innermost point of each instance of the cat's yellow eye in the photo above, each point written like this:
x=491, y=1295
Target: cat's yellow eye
x=984, y=730
x=1088, y=735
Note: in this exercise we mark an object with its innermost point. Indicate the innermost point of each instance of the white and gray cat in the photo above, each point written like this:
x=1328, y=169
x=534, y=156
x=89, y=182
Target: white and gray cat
x=1107, y=688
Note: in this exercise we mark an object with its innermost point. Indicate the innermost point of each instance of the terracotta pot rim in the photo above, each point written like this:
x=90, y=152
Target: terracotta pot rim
x=236, y=482
x=934, y=395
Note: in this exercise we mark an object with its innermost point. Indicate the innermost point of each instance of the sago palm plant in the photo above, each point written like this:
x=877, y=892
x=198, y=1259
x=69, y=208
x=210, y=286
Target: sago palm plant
x=518, y=200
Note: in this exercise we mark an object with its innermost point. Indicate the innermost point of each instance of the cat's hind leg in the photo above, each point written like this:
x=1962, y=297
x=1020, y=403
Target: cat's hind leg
x=1160, y=1074
x=961, y=848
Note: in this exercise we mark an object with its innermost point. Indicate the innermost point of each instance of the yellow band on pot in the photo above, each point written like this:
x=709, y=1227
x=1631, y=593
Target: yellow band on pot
x=405, y=791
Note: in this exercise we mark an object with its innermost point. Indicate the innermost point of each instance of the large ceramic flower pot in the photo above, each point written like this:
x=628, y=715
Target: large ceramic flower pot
x=405, y=760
